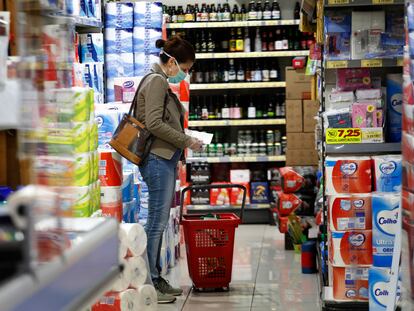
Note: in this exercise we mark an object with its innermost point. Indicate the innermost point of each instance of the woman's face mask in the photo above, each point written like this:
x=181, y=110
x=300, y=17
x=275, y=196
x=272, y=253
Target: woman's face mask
x=180, y=76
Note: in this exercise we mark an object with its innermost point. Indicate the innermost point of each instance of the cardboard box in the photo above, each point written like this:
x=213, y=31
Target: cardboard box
x=299, y=141
x=259, y=192
x=294, y=113
x=219, y=196
x=298, y=85
x=302, y=157
x=236, y=197
x=310, y=111
x=239, y=176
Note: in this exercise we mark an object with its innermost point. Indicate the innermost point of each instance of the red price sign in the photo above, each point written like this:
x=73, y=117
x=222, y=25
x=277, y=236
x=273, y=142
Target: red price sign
x=344, y=136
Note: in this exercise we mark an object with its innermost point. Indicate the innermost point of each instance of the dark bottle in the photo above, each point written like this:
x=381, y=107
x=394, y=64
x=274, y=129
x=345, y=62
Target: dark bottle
x=271, y=42
x=214, y=74
x=239, y=40
x=225, y=42
x=237, y=111
x=198, y=110
x=211, y=45
x=291, y=44
x=211, y=110
x=217, y=110
x=213, y=15
x=259, y=10
x=264, y=41
x=276, y=13
x=174, y=16
x=199, y=75
x=267, y=11
x=252, y=13
x=235, y=13
x=226, y=13
x=226, y=74
x=251, y=110
x=303, y=41
x=285, y=41
x=204, y=110
x=203, y=43
x=259, y=110
x=197, y=45
x=232, y=107
x=271, y=109
x=180, y=14
x=220, y=73
x=189, y=14
x=296, y=40
x=296, y=13
x=258, y=73
x=232, y=71
x=197, y=14
x=204, y=14
x=248, y=73
x=225, y=110
x=274, y=72
x=191, y=115
x=232, y=43
x=206, y=74
x=219, y=13
x=265, y=72
x=278, y=40
x=240, y=73
x=243, y=13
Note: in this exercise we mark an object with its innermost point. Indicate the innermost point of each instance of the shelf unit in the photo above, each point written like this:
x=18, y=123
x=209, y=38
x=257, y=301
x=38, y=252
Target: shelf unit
x=234, y=159
x=348, y=3
x=203, y=208
x=364, y=63
x=363, y=149
x=251, y=54
x=260, y=23
x=245, y=122
x=237, y=85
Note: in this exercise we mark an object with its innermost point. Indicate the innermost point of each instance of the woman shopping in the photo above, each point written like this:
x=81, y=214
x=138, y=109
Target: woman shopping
x=163, y=115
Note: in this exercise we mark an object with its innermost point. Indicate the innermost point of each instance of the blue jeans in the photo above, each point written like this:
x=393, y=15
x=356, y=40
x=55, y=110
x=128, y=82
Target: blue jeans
x=159, y=175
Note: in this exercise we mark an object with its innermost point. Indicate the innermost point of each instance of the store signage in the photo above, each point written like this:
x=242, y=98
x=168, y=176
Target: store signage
x=338, y=2
x=343, y=136
x=337, y=64
x=382, y=1
x=370, y=63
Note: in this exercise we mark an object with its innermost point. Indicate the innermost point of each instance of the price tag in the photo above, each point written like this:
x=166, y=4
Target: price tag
x=370, y=63
x=373, y=135
x=382, y=1
x=343, y=136
x=400, y=62
x=338, y=1
x=336, y=64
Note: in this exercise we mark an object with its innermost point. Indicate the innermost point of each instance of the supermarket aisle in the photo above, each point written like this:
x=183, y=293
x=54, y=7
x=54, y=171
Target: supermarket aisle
x=265, y=277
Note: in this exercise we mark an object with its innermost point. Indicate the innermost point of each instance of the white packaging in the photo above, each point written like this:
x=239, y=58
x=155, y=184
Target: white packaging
x=387, y=173
x=118, y=41
x=146, y=300
x=119, y=65
x=143, y=63
x=138, y=268
x=135, y=238
x=147, y=14
x=380, y=291
x=91, y=47
x=124, y=278
x=108, y=121
x=111, y=195
x=239, y=176
x=119, y=15
x=144, y=40
x=363, y=94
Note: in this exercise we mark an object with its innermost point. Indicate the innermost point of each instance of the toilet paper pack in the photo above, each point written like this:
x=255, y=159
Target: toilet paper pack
x=350, y=283
x=119, y=65
x=143, y=63
x=144, y=40
x=91, y=47
x=108, y=121
x=93, y=77
x=387, y=173
x=394, y=107
x=348, y=175
x=380, y=291
x=384, y=226
x=118, y=40
x=147, y=14
x=351, y=248
x=350, y=212
x=119, y=15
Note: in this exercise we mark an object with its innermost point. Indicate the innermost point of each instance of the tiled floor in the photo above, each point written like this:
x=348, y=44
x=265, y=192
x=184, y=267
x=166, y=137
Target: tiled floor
x=265, y=277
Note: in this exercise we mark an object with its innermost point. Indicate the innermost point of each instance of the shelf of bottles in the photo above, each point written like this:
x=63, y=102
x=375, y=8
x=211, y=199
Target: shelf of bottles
x=230, y=24
x=251, y=54
x=348, y=3
x=237, y=85
x=237, y=159
x=242, y=122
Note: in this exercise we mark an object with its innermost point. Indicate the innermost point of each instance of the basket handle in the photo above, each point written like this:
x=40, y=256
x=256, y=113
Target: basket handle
x=203, y=187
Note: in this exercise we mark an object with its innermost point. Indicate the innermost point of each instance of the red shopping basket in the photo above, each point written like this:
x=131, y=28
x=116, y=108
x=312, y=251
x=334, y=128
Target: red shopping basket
x=210, y=243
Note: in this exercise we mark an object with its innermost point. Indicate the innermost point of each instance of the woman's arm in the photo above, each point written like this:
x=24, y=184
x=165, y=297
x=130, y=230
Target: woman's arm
x=154, y=95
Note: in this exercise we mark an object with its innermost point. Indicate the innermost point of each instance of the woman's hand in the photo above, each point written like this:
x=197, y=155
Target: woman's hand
x=196, y=144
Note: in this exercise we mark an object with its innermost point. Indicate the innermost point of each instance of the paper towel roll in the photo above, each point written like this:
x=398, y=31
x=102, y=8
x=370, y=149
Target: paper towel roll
x=139, y=270
x=123, y=248
x=117, y=301
x=111, y=195
x=124, y=278
x=136, y=238
x=146, y=300
x=112, y=210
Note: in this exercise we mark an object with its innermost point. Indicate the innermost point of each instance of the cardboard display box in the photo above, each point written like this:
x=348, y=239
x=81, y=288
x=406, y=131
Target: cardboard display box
x=298, y=84
x=302, y=157
x=294, y=116
x=310, y=111
x=299, y=141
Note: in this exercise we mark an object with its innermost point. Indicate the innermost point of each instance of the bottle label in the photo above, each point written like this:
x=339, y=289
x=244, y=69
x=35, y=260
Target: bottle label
x=232, y=76
x=204, y=17
x=213, y=17
x=231, y=112
x=189, y=17
x=237, y=113
x=199, y=17
x=265, y=75
x=252, y=15
x=174, y=18
x=225, y=113
x=285, y=44
x=247, y=45
x=233, y=45
x=199, y=77
x=239, y=45
x=240, y=75
x=279, y=45
x=204, y=113
x=226, y=16
x=181, y=18
x=258, y=76
x=226, y=76
x=273, y=74
x=267, y=15
x=259, y=15
x=251, y=112
x=211, y=46
x=275, y=14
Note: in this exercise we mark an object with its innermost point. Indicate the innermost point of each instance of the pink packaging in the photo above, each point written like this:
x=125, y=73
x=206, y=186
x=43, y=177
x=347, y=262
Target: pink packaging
x=364, y=115
x=407, y=145
x=350, y=248
x=352, y=79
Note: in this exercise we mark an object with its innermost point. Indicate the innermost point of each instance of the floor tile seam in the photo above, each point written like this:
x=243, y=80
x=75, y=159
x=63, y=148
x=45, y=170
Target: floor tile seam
x=258, y=267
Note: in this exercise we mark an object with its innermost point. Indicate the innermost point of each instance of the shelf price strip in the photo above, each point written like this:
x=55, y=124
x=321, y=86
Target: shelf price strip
x=344, y=136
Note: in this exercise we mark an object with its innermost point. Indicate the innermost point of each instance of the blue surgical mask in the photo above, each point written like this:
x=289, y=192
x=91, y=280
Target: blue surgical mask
x=180, y=76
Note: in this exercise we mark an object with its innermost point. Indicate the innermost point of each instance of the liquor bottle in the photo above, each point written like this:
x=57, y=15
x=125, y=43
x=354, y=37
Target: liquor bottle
x=211, y=45
x=197, y=45
x=237, y=111
x=232, y=71
x=197, y=13
x=217, y=110
x=180, y=14
x=225, y=42
x=247, y=42
x=276, y=13
x=257, y=41
x=166, y=14
x=211, y=110
x=231, y=107
x=278, y=40
x=225, y=110
x=267, y=11
x=303, y=41
x=274, y=72
x=214, y=74
x=285, y=41
x=198, y=111
x=271, y=42
x=278, y=108
x=251, y=111
x=271, y=109
x=243, y=13
x=235, y=13
x=213, y=13
x=291, y=40
x=259, y=9
x=219, y=13
x=191, y=116
x=265, y=72
x=226, y=74
x=232, y=43
x=189, y=16
x=248, y=73
x=226, y=13
x=258, y=73
x=204, y=110
x=311, y=40
x=199, y=76
x=203, y=42
x=174, y=16
x=204, y=13
x=206, y=74
x=240, y=73
x=296, y=13
x=220, y=73
x=264, y=41
x=252, y=13
x=239, y=41
x=296, y=42
x=259, y=109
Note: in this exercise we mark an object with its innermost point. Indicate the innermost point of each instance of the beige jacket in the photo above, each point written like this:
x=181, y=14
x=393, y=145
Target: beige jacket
x=169, y=133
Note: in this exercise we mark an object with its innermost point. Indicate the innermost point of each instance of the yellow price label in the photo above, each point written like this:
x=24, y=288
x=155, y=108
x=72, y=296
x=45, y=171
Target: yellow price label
x=400, y=62
x=382, y=1
x=343, y=136
x=336, y=64
x=372, y=135
x=338, y=1
x=370, y=63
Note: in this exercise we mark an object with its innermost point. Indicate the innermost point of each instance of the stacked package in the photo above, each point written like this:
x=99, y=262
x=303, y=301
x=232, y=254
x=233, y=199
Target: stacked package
x=131, y=30
x=83, y=8
x=132, y=290
x=364, y=201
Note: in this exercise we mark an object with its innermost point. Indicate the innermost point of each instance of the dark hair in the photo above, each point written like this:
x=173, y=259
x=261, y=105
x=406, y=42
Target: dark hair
x=180, y=49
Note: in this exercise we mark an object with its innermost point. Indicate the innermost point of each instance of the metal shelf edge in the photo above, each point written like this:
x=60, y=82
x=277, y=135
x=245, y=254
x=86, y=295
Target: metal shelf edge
x=258, y=23
x=206, y=123
x=251, y=54
x=240, y=85
x=379, y=148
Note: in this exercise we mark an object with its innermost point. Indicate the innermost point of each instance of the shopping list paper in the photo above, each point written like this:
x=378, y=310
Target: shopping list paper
x=206, y=138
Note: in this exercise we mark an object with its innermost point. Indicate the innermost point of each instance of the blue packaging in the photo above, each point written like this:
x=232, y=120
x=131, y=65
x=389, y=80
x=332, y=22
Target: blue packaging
x=338, y=35
x=118, y=41
x=128, y=187
x=90, y=8
x=259, y=192
x=385, y=208
x=143, y=63
x=147, y=14
x=98, y=84
x=110, y=90
x=145, y=39
x=108, y=121
x=91, y=47
x=380, y=291
x=119, y=65
x=119, y=15
x=83, y=8
x=394, y=107
x=387, y=173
